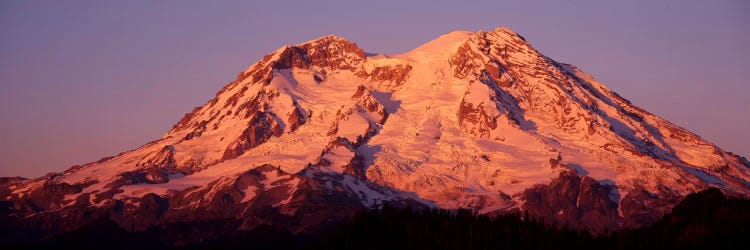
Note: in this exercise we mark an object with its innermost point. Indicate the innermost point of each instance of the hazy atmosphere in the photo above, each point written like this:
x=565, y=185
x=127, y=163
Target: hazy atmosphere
x=80, y=80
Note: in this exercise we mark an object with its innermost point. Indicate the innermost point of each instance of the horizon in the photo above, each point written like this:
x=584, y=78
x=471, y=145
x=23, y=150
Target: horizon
x=78, y=85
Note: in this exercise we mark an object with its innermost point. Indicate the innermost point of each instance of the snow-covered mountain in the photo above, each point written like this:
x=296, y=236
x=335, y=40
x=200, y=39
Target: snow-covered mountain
x=315, y=131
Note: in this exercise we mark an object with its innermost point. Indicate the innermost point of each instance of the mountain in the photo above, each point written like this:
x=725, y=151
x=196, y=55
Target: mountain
x=315, y=132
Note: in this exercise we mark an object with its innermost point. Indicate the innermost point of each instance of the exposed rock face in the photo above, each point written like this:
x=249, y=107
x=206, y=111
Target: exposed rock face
x=262, y=126
x=316, y=131
x=475, y=120
x=390, y=76
x=297, y=118
x=576, y=201
x=329, y=52
x=641, y=207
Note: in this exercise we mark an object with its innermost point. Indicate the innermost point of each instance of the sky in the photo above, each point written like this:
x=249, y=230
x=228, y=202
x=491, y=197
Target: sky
x=80, y=80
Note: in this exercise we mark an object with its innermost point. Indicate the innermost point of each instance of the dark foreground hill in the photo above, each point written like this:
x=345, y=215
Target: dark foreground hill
x=704, y=220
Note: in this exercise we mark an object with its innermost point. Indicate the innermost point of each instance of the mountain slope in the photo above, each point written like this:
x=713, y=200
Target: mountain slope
x=315, y=131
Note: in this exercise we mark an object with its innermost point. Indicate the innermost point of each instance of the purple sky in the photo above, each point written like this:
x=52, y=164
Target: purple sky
x=80, y=80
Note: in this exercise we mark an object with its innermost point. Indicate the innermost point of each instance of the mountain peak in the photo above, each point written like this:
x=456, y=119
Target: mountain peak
x=504, y=30
x=327, y=39
x=477, y=120
x=332, y=52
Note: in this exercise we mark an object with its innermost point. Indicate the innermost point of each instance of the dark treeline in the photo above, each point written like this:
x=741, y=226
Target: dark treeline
x=705, y=220
x=441, y=229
